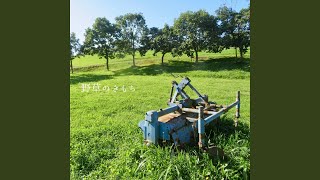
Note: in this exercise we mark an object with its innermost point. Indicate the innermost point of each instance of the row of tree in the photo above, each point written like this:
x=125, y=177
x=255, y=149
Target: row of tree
x=191, y=33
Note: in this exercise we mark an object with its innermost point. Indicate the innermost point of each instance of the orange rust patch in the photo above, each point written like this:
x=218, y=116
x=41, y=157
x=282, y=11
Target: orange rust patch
x=168, y=117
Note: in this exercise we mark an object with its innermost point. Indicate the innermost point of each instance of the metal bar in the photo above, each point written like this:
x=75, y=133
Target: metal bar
x=181, y=86
x=198, y=100
x=179, y=89
x=191, y=119
x=214, y=116
x=184, y=82
x=184, y=94
x=172, y=104
x=174, y=97
x=237, y=109
x=196, y=111
x=195, y=90
x=231, y=105
x=181, y=92
x=238, y=105
x=219, y=113
x=201, y=127
x=168, y=110
x=171, y=93
x=216, y=106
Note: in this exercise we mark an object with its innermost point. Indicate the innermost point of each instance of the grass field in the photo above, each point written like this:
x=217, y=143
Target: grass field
x=106, y=142
x=148, y=59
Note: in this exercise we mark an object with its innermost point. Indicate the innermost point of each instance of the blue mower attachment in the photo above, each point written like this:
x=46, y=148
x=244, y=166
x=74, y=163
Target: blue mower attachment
x=184, y=121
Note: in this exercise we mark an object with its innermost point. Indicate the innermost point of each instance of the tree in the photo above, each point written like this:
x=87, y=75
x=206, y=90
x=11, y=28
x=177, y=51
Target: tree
x=165, y=41
x=134, y=34
x=198, y=31
x=152, y=34
x=101, y=39
x=243, y=31
x=235, y=27
x=74, y=48
x=227, y=23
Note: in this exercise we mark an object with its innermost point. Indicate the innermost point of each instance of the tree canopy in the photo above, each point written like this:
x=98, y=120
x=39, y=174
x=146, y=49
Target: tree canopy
x=134, y=34
x=191, y=33
x=101, y=39
x=198, y=31
x=75, y=47
x=165, y=41
x=235, y=28
x=243, y=31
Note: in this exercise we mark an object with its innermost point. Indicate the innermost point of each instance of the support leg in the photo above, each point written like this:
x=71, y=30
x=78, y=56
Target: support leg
x=237, y=109
x=152, y=131
x=201, y=129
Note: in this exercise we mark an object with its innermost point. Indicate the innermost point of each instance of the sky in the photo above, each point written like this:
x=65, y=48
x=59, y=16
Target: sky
x=156, y=12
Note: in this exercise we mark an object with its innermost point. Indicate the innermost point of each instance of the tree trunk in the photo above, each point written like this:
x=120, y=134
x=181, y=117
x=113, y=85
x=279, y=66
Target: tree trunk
x=196, y=56
x=107, y=63
x=134, y=51
x=241, y=53
x=162, y=58
x=236, y=52
x=134, y=63
x=71, y=66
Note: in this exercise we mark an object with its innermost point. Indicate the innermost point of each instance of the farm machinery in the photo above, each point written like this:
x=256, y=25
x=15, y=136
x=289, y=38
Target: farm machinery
x=185, y=120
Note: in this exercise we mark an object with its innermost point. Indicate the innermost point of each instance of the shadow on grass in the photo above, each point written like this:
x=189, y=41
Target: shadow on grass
x=176, y=66
x=226, y=128
x=88, y=78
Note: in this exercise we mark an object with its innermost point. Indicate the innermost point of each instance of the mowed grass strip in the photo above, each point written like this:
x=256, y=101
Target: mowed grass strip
x=106, y=142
